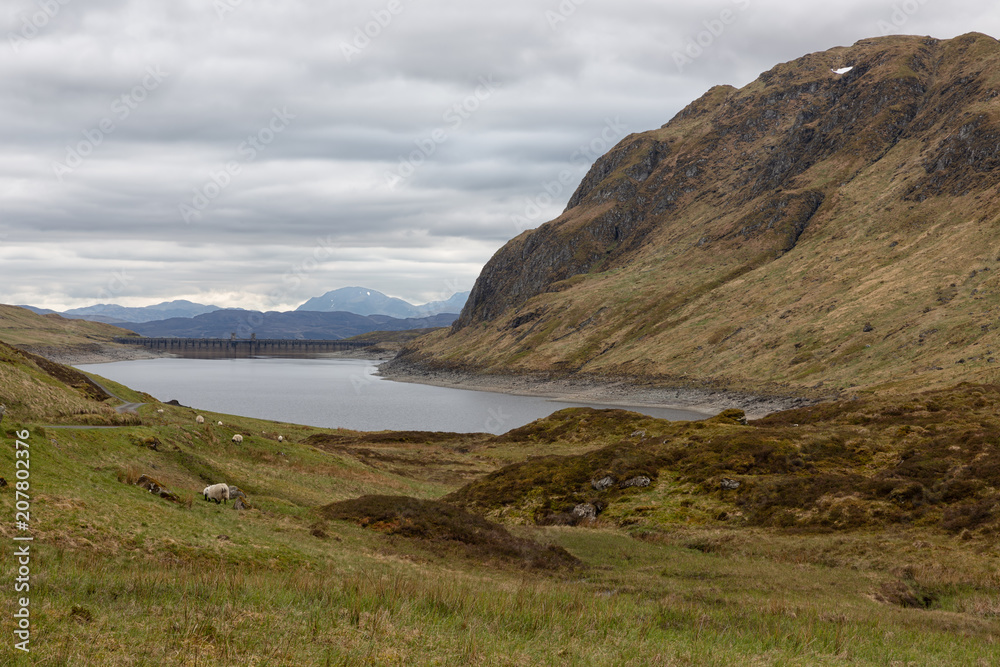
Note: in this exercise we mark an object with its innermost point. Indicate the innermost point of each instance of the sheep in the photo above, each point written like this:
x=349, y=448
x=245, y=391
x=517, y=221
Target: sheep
x=220, y=424
x=199, y=419
x=281, y=438
x=238, y=438
x=217, y=492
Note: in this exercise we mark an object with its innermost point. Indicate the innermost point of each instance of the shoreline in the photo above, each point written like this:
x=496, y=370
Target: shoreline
x=612, y=392
x=97, y=353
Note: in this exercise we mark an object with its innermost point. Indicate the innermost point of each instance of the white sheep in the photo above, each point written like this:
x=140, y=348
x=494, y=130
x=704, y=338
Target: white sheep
x=220, y=424
x=217, y=492
x=281, y=438
x=199, y=419
x=238, y=438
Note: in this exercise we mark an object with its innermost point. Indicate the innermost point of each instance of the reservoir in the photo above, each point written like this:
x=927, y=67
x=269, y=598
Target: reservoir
x=333, y=393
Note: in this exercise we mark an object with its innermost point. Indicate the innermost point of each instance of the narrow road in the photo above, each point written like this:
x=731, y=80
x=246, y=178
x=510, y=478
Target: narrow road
x=125, y=406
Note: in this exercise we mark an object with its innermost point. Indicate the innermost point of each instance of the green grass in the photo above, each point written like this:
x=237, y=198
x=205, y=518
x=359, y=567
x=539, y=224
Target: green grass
x=327, y=569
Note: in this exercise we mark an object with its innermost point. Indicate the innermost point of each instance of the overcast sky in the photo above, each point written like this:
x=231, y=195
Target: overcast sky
x=256, y=153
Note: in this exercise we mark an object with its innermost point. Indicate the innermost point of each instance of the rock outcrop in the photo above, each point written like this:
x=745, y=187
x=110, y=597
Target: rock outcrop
x=767, y=234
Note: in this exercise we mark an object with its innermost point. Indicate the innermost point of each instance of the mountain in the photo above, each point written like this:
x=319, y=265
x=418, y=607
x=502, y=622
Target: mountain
x=113, y=313
x=811, y=231
x=364, y=301
x=452, y=304
x=295, y=324
x=39, y=311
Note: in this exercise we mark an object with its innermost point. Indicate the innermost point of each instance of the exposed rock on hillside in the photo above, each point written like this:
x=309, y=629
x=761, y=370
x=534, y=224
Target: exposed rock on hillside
x=754, y=237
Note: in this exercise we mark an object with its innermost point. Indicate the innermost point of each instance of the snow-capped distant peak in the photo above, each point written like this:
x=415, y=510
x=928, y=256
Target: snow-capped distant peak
x=842, y=70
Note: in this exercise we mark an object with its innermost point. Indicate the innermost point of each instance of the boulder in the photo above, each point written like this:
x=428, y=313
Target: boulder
x=602, y=483
x=638, y=480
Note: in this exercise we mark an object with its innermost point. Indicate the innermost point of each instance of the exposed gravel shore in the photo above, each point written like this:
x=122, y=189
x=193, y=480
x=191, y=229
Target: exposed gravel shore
x=97, y=353
x=596, y=390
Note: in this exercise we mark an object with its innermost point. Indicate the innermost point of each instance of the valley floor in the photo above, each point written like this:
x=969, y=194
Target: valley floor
x=861, y=533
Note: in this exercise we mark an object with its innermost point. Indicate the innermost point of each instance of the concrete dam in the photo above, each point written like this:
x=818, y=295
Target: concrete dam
x=233, y=348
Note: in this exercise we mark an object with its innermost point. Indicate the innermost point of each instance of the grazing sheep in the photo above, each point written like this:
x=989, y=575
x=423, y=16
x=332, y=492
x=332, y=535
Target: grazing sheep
x=237, y=438
x=220, y=424
x=199, y=419
x=160, y=411
x=217, y=492
x=281, y=438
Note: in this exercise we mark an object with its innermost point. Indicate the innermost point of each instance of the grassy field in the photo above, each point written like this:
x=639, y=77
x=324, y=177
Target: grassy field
x=678, y=572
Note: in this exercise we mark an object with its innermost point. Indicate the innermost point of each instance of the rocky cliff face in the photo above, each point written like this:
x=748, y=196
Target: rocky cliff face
x=736, y=230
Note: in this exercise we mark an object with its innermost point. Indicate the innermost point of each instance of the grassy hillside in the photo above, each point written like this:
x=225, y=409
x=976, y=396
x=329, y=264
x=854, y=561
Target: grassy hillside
x=808, y=233
x=360, y=548
x=44, y=334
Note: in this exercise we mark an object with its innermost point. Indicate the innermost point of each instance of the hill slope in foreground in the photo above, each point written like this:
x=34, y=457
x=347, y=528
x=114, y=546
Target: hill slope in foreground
x=811, y=229
x=858, y=532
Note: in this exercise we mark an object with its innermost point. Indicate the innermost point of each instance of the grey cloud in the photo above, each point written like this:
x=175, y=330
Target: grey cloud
x=357, y=120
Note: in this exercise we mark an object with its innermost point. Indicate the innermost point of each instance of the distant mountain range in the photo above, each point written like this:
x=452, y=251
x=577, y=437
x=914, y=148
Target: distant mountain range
x=291, y=325
x=115, y=314
x=357, y=300
x=364, y=301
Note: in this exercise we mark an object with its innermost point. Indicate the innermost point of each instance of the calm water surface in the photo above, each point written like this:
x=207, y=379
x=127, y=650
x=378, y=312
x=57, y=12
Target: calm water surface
x=334, y=393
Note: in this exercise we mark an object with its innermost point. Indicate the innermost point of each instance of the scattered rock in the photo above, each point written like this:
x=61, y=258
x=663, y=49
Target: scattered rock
x=641, y=433
x=3, y=482
x=224, y=538
x=868, y=327
x=605, y=482
x=584, y=511
x=174, y=402
x=639, y=480
x=729, y=484
x=236, y=492
x=238, y=504
x=154, y=487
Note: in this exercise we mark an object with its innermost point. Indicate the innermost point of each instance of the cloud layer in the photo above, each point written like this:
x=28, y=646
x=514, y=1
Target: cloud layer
x=256, y=153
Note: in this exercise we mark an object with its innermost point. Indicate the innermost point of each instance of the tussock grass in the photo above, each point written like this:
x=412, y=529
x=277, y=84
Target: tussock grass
x=122, y=576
